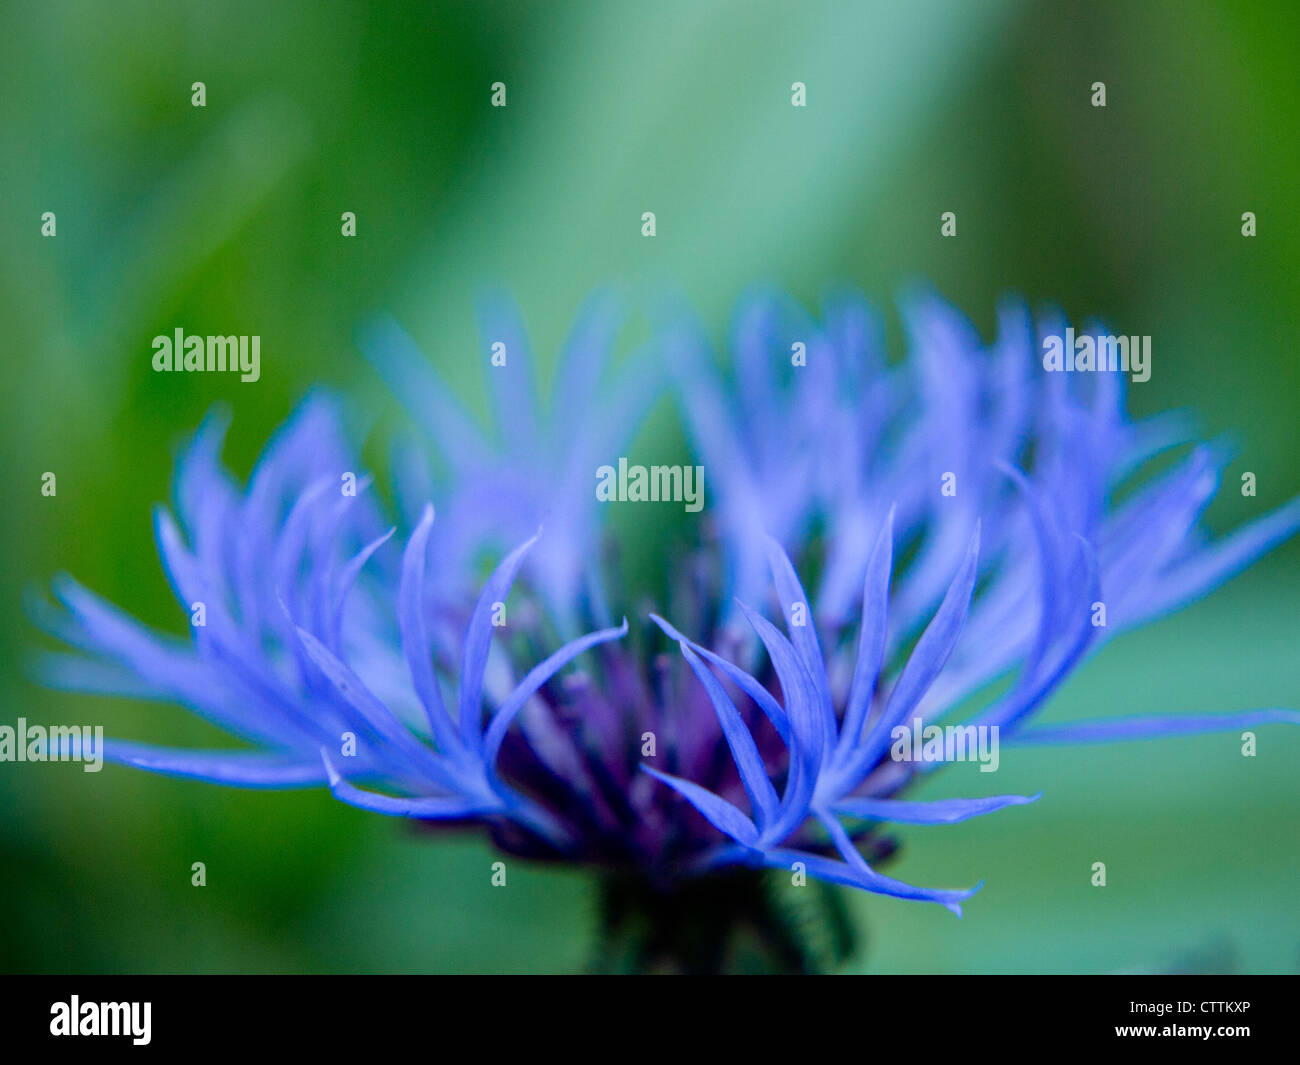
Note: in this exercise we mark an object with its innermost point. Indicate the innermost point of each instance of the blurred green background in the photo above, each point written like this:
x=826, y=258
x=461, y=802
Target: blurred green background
x=226, y=219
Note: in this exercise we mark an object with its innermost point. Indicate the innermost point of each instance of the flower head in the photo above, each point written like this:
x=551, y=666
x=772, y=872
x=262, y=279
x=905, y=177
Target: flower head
x=958, y=512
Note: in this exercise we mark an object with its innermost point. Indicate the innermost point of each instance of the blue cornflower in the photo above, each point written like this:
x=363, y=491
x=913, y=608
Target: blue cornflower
x=334, y=655
x=267, y=663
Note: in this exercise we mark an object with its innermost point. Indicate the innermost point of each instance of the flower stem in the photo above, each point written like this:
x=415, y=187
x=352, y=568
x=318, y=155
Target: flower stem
x=745, y=921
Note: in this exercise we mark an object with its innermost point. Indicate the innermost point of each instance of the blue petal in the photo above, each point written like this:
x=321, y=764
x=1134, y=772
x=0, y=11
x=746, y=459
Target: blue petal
x=938, y=812
x=586, y=351
x=868, y=879
x=1049, y=572
x=885, y=885
x=511, y=386
x=348, y=577
x=806, y=725
x=162, y=662
x=434, y=808
x=536, y=677
x=753, y=774
x=415, y=640
x=926, y=661
x=804, y=636
x=1030, y=692
x=183, y=572
x=478, y=640
x=1154, y=726
x=77, y=673
x=198, y=465
x=1213, y=565
x=244, y=769
x=743, y=680
x=373, y=714
x=721, y=814
x=871, y=635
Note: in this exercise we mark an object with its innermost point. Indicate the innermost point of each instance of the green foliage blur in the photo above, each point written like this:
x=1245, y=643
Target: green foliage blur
x=226, y=219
